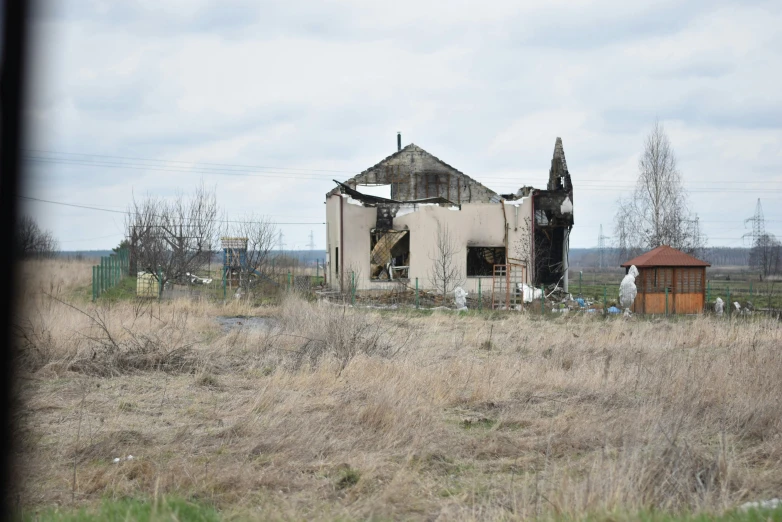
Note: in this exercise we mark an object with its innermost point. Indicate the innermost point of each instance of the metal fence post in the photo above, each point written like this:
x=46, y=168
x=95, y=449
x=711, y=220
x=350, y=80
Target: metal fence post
x=94, y=283
x=729, y=304
x=352, y=288
x=750, y=290
x=480, y=296
x=223, y=283
x=290, y=284
x=102, y=275
x=580, y=274
x=708, y=294
x=542, y=300
x=416, y=293
x=160, y=283
x=666, y=300
x=605, y=300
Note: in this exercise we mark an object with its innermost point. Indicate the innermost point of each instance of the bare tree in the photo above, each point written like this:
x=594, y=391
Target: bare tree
x=765, y=255
x=261, y=237
x=33, y=241
x=445, y=274
x=173, y=237
x=657, y=213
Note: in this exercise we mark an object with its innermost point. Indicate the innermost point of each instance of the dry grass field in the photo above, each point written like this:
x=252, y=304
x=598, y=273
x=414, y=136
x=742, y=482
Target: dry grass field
x=323, y=412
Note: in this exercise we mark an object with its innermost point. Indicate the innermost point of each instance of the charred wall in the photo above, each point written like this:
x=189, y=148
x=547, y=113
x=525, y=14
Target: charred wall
x=552, y=223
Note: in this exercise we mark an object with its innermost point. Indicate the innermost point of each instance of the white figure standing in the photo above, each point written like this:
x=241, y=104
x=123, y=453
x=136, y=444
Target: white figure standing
x=628, y=290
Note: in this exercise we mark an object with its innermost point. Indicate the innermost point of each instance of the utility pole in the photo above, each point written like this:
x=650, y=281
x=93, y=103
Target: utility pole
x=282, y=242
x=758, y=224
x=756, y=254
x=312, y=240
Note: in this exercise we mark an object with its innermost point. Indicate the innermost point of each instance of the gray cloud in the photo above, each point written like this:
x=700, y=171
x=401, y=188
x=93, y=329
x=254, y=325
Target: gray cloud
x=326, y=85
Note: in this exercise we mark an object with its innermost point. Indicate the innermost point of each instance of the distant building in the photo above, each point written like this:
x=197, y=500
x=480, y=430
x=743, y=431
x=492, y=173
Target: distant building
x=382, y=224
x=667, y=275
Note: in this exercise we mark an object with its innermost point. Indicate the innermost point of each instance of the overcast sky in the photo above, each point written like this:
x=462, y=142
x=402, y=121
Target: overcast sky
x=300, y=93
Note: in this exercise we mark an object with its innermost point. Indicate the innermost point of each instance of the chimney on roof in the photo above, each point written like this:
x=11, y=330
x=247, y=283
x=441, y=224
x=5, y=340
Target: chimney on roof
x=398, y=141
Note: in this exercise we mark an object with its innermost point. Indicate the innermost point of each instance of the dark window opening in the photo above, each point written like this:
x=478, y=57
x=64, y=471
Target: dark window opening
x=541, y=218
x=549, y=252
x=389, y=258
x=481, y=260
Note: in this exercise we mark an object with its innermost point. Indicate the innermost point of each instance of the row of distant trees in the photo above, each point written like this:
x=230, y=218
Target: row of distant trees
x=717, y=256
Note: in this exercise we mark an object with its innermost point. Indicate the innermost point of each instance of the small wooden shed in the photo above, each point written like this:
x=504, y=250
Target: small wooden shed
x=665, y=268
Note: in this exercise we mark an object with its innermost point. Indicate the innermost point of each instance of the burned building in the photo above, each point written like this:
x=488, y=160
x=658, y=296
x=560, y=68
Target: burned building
x=384, y=225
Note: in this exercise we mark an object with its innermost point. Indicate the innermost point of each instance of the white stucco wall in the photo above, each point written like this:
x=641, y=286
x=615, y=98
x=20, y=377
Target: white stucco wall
x=476, y=224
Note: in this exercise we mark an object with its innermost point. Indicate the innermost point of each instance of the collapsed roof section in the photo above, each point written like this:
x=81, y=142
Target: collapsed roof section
x=387, y=209
x=371, y=201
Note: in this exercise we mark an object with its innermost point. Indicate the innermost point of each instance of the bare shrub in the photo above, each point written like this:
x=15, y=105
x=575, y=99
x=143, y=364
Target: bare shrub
x=445, y=274
x=341, y=333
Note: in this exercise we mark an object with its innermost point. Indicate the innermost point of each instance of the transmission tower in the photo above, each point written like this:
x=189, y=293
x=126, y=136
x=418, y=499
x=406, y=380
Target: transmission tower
x=601, y=247
x=281, y=242
x=758, y=225
x=312, y=241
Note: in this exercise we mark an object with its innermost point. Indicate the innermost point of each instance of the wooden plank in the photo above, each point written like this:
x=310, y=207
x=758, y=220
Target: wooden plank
x=689, y=303
x=654, y=303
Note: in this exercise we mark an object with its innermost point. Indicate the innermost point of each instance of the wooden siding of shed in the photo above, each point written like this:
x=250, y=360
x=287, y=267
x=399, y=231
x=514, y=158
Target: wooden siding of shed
x=650, y=300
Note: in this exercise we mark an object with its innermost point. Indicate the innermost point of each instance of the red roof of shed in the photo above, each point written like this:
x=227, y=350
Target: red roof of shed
x=664, y=256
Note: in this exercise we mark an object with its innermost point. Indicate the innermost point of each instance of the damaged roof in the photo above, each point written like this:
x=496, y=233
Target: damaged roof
x=664, y=255
x=374, y=200
x=356, y=180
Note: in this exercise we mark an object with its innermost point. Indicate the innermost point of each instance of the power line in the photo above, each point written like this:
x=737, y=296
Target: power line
x=88, y=207
x=304, y=173
x=89, y=238
x=136, y=158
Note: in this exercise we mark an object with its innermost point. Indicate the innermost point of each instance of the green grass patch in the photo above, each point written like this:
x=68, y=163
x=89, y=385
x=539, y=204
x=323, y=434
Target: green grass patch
x=128, y=509
x=348, y=477
x=124, y=291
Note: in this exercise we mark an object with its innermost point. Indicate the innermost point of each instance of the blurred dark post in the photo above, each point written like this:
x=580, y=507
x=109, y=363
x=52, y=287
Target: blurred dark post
x=12, y=86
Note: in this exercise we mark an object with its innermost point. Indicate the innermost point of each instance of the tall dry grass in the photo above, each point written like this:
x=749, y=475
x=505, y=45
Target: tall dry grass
x=330, y=412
